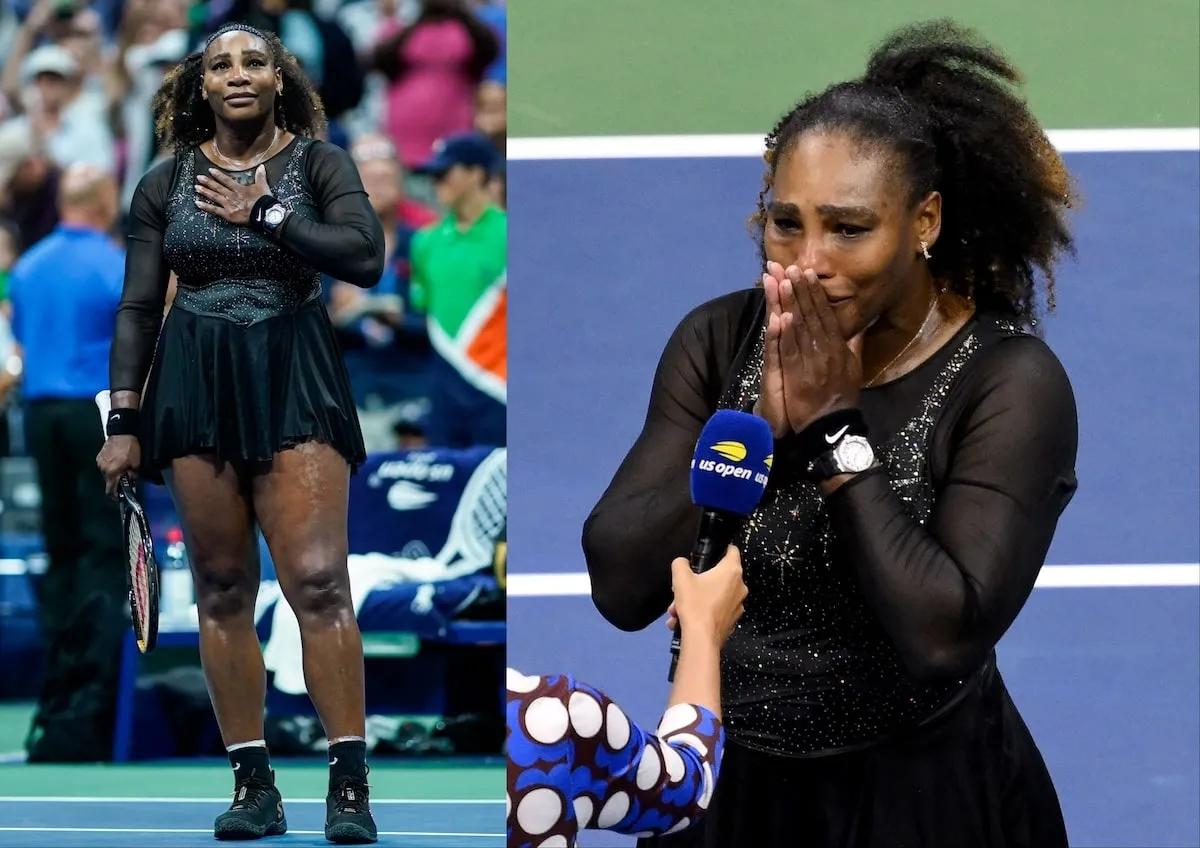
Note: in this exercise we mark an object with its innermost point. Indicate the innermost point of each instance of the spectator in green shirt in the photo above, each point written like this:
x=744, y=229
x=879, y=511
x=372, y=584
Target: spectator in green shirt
x=460, y=283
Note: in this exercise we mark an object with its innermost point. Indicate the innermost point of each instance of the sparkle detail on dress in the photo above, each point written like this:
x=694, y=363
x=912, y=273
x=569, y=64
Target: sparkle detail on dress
x=808, y=668
x=234, y=272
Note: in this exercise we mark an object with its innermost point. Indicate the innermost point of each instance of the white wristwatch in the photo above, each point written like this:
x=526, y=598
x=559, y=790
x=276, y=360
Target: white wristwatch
x=851, y=455
x=273, y=217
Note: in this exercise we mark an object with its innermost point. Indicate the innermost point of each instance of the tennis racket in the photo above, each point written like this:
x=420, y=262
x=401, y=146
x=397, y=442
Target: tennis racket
x=480, y=519
x=141, y=566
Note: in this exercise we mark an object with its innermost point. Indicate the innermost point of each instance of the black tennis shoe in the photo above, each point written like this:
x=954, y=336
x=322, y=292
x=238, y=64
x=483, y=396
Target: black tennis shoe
x=256, y=811
x=348, y=818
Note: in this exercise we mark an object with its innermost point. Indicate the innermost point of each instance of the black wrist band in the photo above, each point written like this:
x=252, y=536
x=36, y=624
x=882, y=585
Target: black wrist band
x=258, y=211
x=123, y=422
x=820, y=436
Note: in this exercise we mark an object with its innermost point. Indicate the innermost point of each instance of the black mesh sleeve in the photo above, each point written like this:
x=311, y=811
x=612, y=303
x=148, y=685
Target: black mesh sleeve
x=646, y=518
x=348, y=244
x=139, y=315
x=946, y=592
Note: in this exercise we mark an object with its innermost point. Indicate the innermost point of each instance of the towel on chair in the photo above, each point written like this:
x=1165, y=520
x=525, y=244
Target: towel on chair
x=282, y=652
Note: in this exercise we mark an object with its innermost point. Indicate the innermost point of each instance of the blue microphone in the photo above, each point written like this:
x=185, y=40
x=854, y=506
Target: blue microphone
x=730, y=469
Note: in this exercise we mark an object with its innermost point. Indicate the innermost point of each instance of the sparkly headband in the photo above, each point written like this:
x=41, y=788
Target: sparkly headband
x=235, y=27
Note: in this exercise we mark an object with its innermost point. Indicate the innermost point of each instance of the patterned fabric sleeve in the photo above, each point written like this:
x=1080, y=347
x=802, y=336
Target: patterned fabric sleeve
x=575, y=760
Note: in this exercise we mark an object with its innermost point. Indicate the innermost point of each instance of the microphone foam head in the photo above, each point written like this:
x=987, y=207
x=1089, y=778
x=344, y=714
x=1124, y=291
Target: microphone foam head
x=732, y=462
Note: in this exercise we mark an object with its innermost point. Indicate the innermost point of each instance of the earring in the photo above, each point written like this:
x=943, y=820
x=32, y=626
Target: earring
x=925, y=250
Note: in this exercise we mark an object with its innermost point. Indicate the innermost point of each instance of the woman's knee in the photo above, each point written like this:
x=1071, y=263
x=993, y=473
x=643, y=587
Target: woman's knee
x=218, y=529
x=318, y=587
x=225, y=590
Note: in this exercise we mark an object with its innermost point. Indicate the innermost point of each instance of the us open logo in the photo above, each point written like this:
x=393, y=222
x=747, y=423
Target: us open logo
x=731, y=450
x=736, y=452
x=726, y=469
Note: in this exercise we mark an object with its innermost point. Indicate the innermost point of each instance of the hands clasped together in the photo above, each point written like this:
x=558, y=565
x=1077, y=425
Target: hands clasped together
x=809, y=368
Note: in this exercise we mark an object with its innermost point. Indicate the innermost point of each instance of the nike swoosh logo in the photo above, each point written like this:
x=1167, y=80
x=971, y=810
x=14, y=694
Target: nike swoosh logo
x=237, y=766
x=333, y=762
x=837, y=435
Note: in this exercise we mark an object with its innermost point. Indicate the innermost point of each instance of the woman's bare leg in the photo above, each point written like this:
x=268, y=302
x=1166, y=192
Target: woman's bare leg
x=301, y=504
x=218, y=526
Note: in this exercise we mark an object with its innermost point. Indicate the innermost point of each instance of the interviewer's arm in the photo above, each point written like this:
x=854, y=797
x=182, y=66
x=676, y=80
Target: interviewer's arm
x=698, y=674
x=623, y=777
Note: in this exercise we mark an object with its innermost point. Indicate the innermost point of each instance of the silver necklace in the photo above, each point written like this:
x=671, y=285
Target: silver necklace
x=920, y=332
x=256, y=162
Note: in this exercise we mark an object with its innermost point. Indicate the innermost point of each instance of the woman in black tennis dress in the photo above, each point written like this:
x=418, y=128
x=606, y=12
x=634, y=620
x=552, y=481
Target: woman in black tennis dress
x=247, y=414
x=925, y=449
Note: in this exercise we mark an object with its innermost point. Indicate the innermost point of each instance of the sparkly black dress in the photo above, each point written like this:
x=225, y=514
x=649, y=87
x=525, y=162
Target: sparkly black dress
x=246, y=362
x=860, y=693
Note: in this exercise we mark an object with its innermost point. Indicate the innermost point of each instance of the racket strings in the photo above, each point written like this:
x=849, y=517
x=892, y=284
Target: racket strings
x=139, y=577
x=490, y=511
x=480, y=517
x=488, y=515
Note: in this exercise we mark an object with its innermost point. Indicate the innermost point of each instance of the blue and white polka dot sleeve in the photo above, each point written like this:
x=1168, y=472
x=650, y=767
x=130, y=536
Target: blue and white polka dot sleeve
x=575, y=760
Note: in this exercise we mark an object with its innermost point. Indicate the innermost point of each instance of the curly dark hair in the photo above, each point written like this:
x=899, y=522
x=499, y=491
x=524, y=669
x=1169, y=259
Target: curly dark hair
x=942, y=98
x=183, y=118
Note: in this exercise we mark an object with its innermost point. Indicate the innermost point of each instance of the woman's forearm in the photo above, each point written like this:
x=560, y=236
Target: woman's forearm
x=698, y=674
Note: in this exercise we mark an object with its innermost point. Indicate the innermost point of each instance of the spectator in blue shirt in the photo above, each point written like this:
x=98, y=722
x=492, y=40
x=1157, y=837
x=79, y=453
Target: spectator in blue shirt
x=64, y=293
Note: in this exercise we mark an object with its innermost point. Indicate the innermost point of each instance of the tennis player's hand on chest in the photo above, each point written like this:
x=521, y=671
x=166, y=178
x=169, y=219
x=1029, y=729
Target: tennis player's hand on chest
x=220, y=194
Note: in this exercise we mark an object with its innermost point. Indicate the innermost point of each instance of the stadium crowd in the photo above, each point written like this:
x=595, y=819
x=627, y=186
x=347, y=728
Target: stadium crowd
x=413, y=89
x=397, y=77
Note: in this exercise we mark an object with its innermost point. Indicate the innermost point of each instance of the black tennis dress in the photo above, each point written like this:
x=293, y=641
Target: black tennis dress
x=246, y=363
x=862, y=703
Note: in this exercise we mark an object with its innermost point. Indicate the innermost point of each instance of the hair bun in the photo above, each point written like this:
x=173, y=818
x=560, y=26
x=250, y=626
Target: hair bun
x=917, y=60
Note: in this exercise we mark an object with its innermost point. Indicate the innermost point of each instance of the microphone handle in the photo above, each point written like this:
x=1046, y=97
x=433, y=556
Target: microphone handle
x=717, y=528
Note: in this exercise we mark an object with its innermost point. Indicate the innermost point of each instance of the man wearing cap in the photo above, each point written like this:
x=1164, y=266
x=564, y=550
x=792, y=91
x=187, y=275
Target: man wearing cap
x=460, y=282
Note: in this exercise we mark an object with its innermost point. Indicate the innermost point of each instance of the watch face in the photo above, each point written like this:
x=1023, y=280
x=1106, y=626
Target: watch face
x=274, y=216
x=854, y=454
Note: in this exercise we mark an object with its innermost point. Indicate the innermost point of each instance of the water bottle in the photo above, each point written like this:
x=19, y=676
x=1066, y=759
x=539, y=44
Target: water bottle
x=176, y=591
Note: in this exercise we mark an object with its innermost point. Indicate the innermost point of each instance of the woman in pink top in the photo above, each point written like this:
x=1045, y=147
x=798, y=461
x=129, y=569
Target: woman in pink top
x=434, y=66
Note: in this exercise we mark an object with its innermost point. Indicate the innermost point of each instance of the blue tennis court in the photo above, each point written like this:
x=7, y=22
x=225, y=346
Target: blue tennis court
x=417, y=805
x=80, y=822
x=1103, y=662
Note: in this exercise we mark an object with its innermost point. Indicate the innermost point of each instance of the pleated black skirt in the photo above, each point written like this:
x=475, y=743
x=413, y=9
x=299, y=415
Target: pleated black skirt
x=975, y=779
x=245, y=393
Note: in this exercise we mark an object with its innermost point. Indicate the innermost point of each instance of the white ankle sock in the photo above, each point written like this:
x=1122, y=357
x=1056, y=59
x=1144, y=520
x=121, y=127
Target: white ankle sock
x=338, y=739
x=257, y=743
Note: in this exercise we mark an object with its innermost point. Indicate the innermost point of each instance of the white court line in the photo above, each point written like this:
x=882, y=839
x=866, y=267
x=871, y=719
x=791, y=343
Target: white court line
x=751, y=145
x=1051, y=577
x=109, y=799
x=209, y=830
